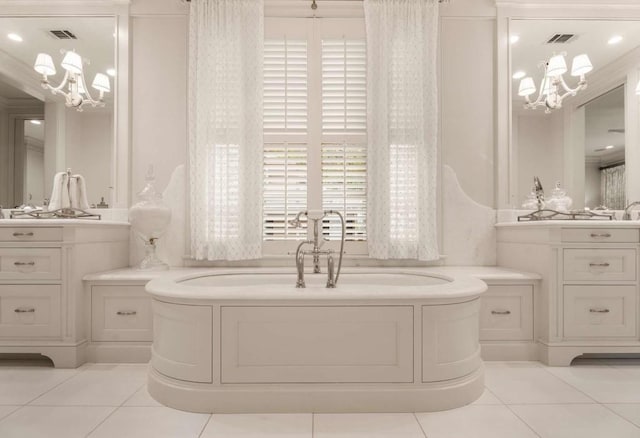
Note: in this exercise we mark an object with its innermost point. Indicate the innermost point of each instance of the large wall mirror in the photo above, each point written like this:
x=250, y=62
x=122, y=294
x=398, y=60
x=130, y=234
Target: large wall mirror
x=590, y=144
x=40, y=135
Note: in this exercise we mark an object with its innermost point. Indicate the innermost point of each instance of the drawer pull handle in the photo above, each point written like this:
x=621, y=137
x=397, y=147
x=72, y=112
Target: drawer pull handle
x=599, y=265
x=23, y=310
x=24, y=263
x=126, y=312
x=599, y=310
x=501, y=312
x=19, y=234
x=600, y=235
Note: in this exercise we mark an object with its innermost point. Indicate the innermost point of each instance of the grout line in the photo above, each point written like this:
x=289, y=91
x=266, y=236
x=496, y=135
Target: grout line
x=12, y=412
x=102, y=422
x=313, y=424
x=206, y=423
x=545, y=368
x=420, y=425
x=54, y=387
x=523, y=421
x=132, y=394
x=619, y=415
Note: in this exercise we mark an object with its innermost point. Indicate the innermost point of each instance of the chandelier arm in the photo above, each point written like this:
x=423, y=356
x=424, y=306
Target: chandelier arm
x=90, y=98
x=57, y=89
x=568, y=89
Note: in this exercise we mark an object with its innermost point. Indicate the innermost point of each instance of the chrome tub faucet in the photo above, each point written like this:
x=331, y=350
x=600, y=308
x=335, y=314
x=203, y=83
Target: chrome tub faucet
x=332, y=274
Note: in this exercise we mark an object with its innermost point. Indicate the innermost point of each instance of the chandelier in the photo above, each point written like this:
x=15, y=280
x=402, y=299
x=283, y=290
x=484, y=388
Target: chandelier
x=76, y=94
x=553, y=88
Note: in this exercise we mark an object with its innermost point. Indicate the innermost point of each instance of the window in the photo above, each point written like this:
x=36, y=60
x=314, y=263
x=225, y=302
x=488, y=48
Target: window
x=314, y=127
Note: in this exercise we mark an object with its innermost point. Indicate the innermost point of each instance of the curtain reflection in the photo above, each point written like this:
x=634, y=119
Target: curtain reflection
x=612, y=184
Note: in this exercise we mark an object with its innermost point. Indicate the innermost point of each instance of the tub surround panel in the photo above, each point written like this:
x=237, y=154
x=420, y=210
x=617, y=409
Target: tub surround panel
x=304, y=344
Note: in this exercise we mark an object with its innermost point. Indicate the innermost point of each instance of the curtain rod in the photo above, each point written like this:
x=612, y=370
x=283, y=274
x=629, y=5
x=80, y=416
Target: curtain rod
x=612, y=165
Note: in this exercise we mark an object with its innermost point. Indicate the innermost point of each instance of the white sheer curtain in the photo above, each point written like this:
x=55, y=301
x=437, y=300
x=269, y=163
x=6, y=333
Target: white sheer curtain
x=225, y=128
x=402, y=41
x=612, y=187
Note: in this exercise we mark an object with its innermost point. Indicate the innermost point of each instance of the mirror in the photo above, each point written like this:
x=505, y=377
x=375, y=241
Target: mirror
x=581, y=143
x=82, y=141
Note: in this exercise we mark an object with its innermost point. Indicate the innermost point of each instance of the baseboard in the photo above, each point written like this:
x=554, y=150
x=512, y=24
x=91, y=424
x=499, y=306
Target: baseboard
x=119, y=352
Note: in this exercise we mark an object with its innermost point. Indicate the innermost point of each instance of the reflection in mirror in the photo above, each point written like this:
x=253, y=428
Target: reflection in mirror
x=561, y=143
x=604, y=151
x=67, y=138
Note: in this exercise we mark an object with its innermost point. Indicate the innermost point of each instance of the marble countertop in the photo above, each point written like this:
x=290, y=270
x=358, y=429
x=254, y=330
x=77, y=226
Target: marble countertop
x=59, y=222
x=571, y=224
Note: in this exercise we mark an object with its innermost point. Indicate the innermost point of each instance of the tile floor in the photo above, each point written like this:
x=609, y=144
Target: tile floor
x=593, y=398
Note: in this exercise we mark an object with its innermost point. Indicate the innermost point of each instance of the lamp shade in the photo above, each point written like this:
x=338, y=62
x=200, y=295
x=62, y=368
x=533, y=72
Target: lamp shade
x=72, y=62
x=101, y=83
x=556, y=66
x=581, y=65
x=527, y=87
x=44, y=65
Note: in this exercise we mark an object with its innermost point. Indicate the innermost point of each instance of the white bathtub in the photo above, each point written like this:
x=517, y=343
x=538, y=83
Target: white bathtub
x=246, y=340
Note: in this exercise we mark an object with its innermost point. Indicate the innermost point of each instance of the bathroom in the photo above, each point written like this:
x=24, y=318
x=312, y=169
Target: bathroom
x=143, y=292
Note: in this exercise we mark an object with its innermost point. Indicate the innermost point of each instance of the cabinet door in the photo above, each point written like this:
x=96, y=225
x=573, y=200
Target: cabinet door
x=121, y=313
x=602, y=311
x=30, y=311
x=506, y=313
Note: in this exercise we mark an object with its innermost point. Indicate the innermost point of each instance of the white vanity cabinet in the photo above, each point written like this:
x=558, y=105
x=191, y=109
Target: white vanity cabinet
x=42, y=262
x=589, y=291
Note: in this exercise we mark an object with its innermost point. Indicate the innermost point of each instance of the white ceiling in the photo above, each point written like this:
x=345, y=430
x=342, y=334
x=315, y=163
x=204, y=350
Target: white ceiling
x=591, y=38
x=95, y=43
x=9, y=92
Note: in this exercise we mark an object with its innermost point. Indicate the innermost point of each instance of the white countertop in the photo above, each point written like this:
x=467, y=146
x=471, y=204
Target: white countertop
x=594, y=223
x=59, y=222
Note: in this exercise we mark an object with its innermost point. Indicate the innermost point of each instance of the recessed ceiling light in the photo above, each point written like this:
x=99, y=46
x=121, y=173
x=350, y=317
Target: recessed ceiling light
x=514, y=39
x=111, y=71
x=15, y=37
x=615, y=39
x=609, y=146
x=36, y=122
x=519, y=75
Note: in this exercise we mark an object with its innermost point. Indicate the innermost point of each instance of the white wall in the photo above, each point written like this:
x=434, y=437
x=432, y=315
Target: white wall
x=89, y=140
x=592, y=196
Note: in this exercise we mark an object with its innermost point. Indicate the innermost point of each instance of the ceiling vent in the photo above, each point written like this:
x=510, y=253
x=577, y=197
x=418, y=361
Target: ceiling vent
x=561, y=38
x=63, y=34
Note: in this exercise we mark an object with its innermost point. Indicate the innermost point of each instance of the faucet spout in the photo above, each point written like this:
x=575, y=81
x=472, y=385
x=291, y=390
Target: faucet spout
x=331, y=282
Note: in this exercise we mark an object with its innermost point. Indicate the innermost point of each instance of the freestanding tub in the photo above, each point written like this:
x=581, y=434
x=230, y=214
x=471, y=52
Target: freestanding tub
x=384, y=340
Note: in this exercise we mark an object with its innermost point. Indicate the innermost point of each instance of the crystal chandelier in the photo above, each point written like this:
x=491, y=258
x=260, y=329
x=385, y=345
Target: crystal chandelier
x=553, y=88
x=76, y=94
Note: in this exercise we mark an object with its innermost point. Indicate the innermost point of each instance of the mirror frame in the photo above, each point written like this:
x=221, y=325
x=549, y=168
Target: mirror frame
x=119, y=10
x=506, y=171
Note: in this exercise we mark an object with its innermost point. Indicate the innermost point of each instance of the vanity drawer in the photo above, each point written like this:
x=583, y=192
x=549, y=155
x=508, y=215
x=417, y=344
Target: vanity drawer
x=121, y=313
x=599, y=311
x=617, y=264
x=600, y=235
x=506, y=313
x=30, y=264
x=29, y=311
x=30, y=234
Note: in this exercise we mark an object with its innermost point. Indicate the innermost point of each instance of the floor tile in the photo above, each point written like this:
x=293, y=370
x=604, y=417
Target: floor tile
x=630, y=411
x=476, y=422
x=143, y=422
x=258, y=426
x=18, y=386
x=487, y=398
x=526, y=382
x=366, y=426
x=52, y=422
x=142, y=398
x=580, y=421
x=98, y=385
x=603, y=384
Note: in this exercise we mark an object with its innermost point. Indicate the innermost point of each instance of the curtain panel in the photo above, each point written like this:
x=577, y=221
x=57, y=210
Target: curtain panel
x=612, y=187
x=226, y=39
x=402, y=120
